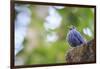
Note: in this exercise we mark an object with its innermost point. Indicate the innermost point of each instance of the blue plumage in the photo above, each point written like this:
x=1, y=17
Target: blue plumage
x=74, y=37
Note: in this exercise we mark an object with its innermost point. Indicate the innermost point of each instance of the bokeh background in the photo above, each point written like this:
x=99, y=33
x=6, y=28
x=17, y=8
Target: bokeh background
x=41, y=31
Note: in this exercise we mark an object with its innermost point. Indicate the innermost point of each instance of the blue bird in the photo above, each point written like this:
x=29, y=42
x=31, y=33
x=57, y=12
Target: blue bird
x=74, y=37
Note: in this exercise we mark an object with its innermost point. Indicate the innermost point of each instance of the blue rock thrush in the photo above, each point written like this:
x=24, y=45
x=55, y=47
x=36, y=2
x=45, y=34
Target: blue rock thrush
x=74, y=37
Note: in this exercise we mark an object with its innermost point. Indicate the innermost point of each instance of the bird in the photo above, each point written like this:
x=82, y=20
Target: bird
x=74, y=38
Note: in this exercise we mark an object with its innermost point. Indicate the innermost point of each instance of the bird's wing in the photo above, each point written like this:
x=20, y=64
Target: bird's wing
x=78, y=36
x=72, y=39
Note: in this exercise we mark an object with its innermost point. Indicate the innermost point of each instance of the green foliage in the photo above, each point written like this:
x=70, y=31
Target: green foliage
x=55, y=53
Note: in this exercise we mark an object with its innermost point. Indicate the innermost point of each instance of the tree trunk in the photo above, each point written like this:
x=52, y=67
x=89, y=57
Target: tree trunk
x=82, y=54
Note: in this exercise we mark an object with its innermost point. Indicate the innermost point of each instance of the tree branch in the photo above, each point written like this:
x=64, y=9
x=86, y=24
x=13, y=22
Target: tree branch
x=84, y=53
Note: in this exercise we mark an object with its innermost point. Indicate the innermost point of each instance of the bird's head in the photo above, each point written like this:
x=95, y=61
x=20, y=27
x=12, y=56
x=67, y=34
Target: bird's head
x=72, y=27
